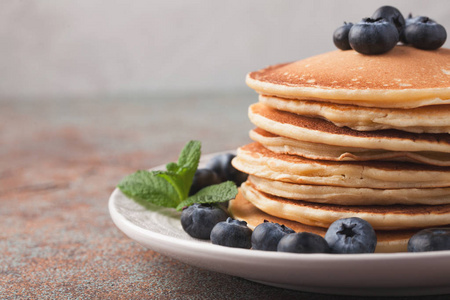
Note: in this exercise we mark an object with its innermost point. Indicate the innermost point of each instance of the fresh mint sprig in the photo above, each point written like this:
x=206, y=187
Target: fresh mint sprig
x=170, y=188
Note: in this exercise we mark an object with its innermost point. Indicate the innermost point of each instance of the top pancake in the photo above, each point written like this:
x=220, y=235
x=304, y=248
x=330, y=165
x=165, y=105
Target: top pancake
x=405, y=77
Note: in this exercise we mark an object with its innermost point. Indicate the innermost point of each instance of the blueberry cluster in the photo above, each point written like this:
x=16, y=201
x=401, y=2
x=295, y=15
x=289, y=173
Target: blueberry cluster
x=348, y=235
x=351, y=235
x=385, y=28
x=205, y=221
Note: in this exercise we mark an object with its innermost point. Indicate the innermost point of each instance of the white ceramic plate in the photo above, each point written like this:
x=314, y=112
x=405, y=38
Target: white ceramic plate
x=397, y=274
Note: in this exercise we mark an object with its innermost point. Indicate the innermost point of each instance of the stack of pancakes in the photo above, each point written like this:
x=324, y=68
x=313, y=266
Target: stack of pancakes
x=348, y=135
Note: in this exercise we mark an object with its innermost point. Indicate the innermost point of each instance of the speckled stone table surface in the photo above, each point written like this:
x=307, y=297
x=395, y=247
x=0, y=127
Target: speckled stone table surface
x=59, y=162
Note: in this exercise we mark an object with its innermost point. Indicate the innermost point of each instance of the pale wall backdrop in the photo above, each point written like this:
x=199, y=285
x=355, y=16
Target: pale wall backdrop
x=109, y=48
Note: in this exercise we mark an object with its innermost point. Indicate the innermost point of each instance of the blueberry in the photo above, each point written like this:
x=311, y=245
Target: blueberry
x=391, y=14
x=221, y=164
x=303, y=242
x=267, y=235
x=431, y=239
x=411, y=20
x=351, y=235
x=373, y=36
x=340, y=36
x=425, y=34
x=203, y=178
x=232, y=233
x=199, y=219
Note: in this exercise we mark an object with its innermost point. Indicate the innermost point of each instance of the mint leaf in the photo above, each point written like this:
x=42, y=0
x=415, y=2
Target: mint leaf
x=212, y=194
x=165, y=188
x=144, y=186
x=188, y=164
x=183, y=172
x=190, y=155
x=176, y=181
x=170, y=188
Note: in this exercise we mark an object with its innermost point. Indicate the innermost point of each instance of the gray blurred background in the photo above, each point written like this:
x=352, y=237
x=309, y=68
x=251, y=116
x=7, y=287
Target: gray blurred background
x=57, y=49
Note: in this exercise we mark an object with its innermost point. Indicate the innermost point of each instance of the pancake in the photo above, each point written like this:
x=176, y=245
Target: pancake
x=405, y=77
x=241, y=209
x=351, y=196
x=428, y=119
x=387, y=217
x=284, y=145
x=256, y=160
x=317, y=130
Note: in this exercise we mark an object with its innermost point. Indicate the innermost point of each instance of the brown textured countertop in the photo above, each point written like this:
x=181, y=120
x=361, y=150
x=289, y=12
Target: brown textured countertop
x=59, y=162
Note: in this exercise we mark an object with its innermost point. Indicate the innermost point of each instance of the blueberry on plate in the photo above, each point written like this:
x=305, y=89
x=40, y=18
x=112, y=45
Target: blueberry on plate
x=202, y=179
x=431, y=239
x=351, y=235
x=340, y=36
x=221, y=164
x=391, y=14
x=425, y=34
x=199, y=219
x=267, y=235
x=232, y=233
x=373, y=36
x=303, y=242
